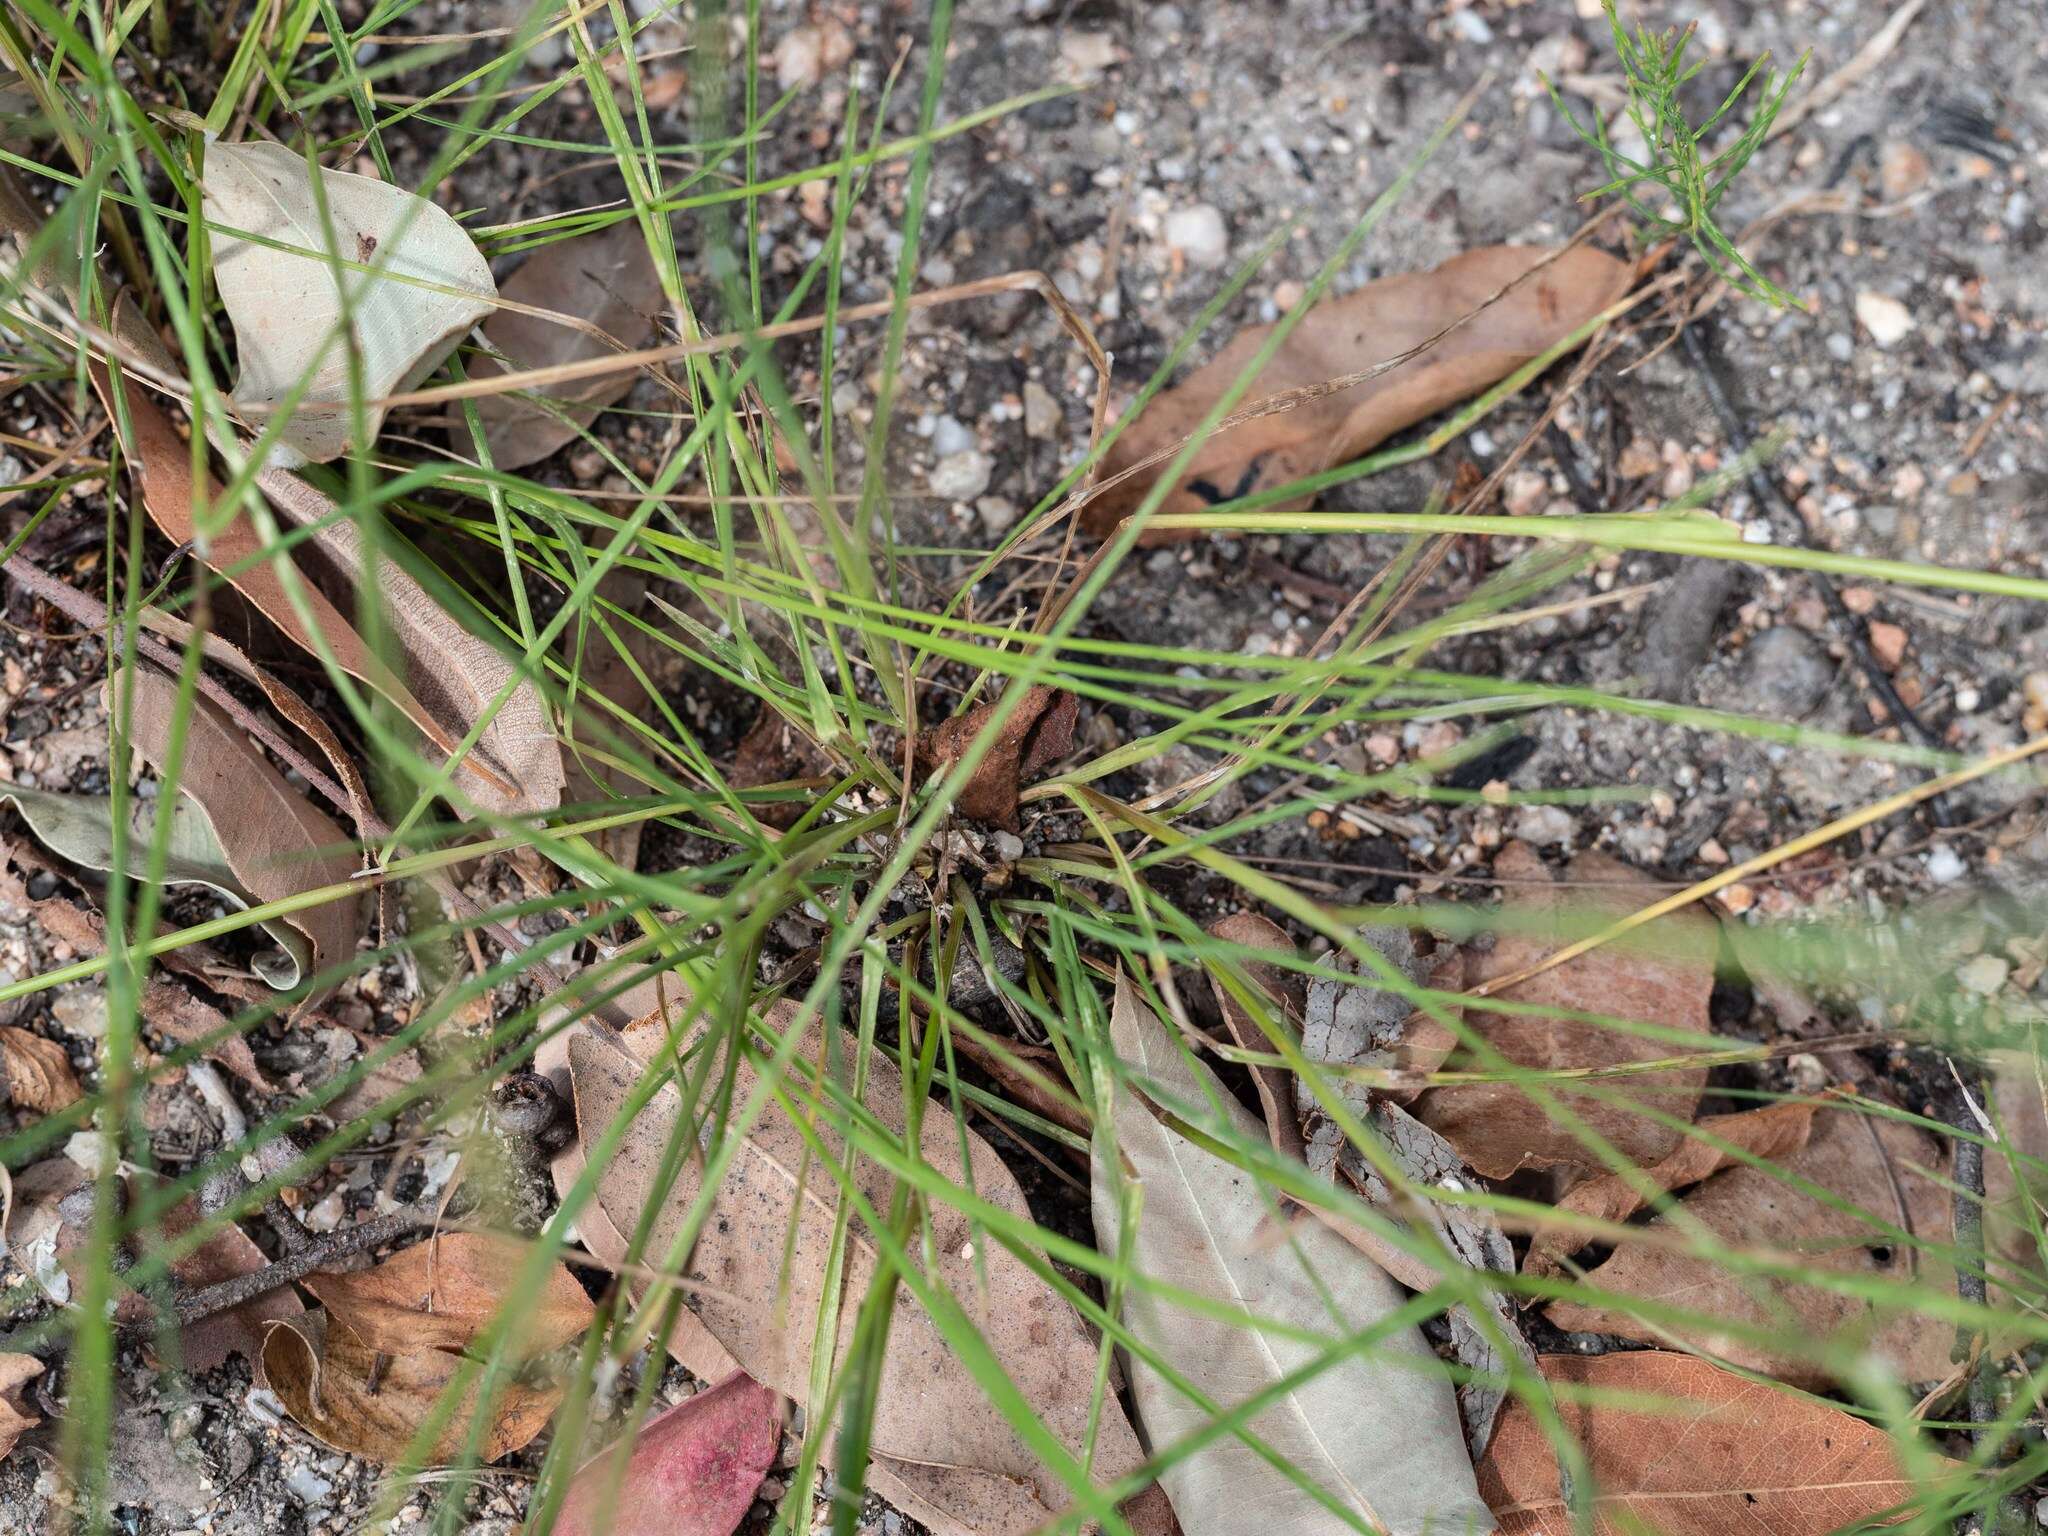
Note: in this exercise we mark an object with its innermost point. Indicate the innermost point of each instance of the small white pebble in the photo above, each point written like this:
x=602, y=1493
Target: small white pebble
x=1888, y=321
x=1944, y=867
x=1198, y=233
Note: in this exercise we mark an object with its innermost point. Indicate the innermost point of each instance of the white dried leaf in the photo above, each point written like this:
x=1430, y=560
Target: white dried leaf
x=429, y=286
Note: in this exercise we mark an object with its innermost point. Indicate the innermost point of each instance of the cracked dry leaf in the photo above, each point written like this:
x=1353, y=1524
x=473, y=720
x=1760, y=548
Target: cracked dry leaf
x=1662, y=976
x=441, y=1293
x=35, y=1073
x=1378, y=1430
x=692, y=1470
x=274, y=841
x=428, y=284
x=1772, y=1132
x=16, y=1372
x=1037, y=734
x=607, y=281
x=1711, y=1452
x=515, y=768
x=1884, y=1167
x=346, y=1395
x=1349, y=335
x=940, y=1448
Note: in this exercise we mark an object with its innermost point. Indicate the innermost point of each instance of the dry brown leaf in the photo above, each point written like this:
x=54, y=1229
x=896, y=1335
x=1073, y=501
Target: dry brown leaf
x=440, y=1294
x=1774, y=1131
x=277, y=844
x=773, y=752
x=606, y=280
x=1284, y=989
x=1871, y=1162
x=346, y=1395
x=1378, y=322
x=942, y=1445
x=1664, y=977
x=1377, y=1430
x=36, y=1073
x=16, y=1372
x=1038, y=733
x=1725, y=1454
x=515, y=768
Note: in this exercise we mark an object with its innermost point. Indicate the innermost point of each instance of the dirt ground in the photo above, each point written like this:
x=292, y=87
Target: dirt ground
x=1908, y=395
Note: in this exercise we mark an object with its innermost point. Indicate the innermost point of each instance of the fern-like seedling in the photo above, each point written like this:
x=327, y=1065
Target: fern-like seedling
x=1655, y=67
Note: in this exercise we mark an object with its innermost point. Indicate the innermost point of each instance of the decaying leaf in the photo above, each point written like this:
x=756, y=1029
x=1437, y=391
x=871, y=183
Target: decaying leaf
x=440, y=1294
x=35, y=1073
x=16, y=1372
x=1364, y=1026
x=692, y=1470
x=1377, y=1431
x=428, y=284
x=606, y=280
x=1347, y=336
x=80, y=829
x=772, y=752
x=1662, y=976
x=940, y=1446
x=1712, y=1453
x=347, y=1395
x=273, y=839
x=1037, y=734
x=1882, y=1166
x=1772, y=1132
x=515, y=768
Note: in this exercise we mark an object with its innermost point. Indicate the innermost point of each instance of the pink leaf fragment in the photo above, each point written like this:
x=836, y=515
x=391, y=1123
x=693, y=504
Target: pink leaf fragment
x=692, y=1471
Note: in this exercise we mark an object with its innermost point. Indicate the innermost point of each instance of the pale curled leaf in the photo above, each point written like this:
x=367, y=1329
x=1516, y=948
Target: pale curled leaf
x=429, y=285
x=608, y=281
x=1888, y=1169
x=1662, y=977
x=1351, y=335
x=1378, y=1430
x=1773, y=1131
x=1711, y=1453
x=344, y=1394
x=691, y=1471
x=442, y=1293
x=80, y=829
x=275, y=842
x=760, y=1258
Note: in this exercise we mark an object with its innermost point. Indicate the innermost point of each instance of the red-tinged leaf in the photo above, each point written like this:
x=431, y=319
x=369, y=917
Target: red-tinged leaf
x=692, y=1471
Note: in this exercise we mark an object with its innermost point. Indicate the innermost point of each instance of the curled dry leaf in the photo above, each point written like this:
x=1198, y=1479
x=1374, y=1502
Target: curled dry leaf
x=347, y=1395
x=35, y=1073
x=428, y=285
x=16, y=1372
x=608, y=282
x=692, y=1470
x=1663, y=976
x=515, y=768
x=80, y=829
x=941, y=1450
x=1364, y=1026
x=441, y=1293
x=1889, y=1169
x=1378, y=1430
x=1345, y=337
x=274, y=841
x=1771, y=1132
x=1711, y=1452
x=772, y=752
x=1037, y=734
